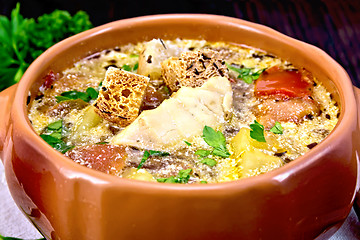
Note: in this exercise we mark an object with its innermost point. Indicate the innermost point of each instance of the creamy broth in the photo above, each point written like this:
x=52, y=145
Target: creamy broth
x=291, y=124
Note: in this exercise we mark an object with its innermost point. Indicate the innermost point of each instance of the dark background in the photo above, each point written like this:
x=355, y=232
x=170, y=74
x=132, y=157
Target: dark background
x=332, y=25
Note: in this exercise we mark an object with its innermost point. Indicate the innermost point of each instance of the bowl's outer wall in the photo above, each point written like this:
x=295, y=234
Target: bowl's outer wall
x=298, y=201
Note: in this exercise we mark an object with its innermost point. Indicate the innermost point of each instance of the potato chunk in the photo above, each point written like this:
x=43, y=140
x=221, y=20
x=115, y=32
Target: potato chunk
x=255, y=162
x=250, y=160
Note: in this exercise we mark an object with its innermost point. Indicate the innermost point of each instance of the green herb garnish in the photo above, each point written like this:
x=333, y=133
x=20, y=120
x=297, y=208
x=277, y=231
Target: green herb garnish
x=56, y=143
x=187, y=143
x=209, y=161
x=203, y=181
x=22, y=40
x=54, y=129
x=53, y=136
x=203, y=153
x=182, y=177
x=128, y=68
x=136, y=66
x=90, y=94
x=216, y=140
x=277, y=128
x=257, y=132
x=246, y=74
x=147, y=154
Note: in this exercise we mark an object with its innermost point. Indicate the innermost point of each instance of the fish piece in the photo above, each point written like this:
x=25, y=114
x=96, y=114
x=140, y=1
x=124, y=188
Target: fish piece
x=179, y=118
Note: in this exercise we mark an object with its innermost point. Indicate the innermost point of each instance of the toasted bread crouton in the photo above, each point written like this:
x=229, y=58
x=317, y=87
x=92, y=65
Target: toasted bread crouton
x=120, y=96
x=193, y=69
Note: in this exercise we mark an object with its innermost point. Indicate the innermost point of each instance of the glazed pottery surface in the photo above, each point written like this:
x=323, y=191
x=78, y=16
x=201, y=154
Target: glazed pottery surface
x=306, y=198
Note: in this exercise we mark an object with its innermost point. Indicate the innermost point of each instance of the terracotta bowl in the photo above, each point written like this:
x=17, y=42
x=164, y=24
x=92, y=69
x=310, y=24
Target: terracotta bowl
x=307, y=198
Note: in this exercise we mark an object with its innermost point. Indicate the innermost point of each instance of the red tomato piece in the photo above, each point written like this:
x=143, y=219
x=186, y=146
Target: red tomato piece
x=282, y=84
x=49, y=79
x=102, y=157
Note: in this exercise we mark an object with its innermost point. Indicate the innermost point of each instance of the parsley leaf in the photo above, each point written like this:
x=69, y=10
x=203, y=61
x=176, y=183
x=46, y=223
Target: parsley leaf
x=22, y=40
x=209, y=161
x=246, y=74
x=216, y=140
x=182, y=177
x=53, y=136
x=128, y=68
x=203, y=153
x=144, y=158
x=277, y=128
x=90, y=94
x=257, y=132
x=56, y=143
x=187, y=143
x=147, y=154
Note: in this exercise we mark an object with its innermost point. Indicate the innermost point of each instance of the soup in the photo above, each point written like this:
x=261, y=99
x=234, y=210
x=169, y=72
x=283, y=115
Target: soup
x=183, y=111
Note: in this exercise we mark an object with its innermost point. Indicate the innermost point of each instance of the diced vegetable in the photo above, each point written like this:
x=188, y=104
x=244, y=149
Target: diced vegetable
x=243, y=142
x=87, y=121
x=102, y=157
x=255, y=162
x=282, y=84
x=138, y=174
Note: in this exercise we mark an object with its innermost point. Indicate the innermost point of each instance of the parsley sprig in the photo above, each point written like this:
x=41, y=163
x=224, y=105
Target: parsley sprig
x=90, y=94
x=246, y=74
x=182, y=177
x=277, y=128
x=257, y=130
x=147, y=154
x=53, y=135
x=216, y=140
x=22, y=40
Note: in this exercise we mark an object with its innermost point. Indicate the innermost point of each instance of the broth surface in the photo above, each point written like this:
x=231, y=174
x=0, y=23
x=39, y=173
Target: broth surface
x=89, y=138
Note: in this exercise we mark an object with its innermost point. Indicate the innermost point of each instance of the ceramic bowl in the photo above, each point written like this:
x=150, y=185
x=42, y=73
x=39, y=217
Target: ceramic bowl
x=307, y=198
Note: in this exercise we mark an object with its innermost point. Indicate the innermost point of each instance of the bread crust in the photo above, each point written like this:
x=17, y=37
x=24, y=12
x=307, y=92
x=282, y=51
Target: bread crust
x=120, y=96
x=193, y=69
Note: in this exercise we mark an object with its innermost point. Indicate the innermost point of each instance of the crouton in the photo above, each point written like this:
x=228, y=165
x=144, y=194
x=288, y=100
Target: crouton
x=193, y=69
x=120, y=96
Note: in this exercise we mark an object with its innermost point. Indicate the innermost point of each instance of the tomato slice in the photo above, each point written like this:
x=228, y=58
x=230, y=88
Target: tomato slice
x=282, y=84
x=102, y=157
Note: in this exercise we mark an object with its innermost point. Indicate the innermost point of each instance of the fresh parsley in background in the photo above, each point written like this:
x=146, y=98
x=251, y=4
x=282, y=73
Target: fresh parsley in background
x=22, y=40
